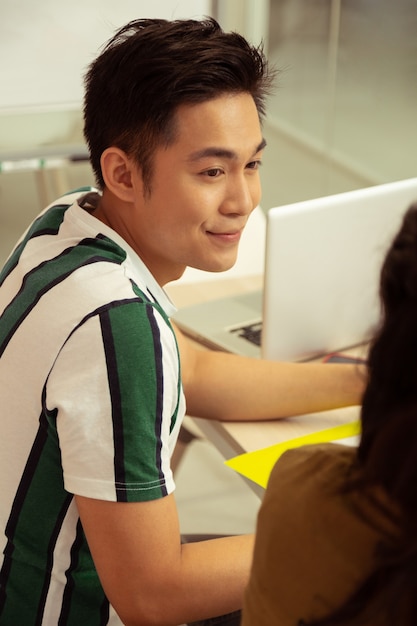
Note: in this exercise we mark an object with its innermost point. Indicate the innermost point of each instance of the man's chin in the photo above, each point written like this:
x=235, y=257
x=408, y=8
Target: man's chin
x=219, y=269
x=215, y=267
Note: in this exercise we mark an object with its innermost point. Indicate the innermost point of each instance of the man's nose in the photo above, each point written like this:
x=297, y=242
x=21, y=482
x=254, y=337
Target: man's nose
x=241, y=198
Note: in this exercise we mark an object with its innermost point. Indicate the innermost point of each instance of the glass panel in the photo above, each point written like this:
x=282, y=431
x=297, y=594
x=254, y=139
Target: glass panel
x=344, y=115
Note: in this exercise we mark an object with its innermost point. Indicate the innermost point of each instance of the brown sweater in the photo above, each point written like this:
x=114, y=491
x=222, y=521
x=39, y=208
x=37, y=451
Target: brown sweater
x=314, y=544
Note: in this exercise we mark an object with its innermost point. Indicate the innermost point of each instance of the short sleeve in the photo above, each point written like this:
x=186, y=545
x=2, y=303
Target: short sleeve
x=116, y=395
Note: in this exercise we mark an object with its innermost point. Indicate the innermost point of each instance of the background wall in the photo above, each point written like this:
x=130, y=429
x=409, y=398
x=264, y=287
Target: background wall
x=49, y=44
x=344, y=115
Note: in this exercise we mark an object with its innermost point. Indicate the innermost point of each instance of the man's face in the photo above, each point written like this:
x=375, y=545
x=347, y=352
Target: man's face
x=204, y=187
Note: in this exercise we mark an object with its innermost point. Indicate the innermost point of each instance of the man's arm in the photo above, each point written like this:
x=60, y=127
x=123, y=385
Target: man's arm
x=230, y=387
x=149, y=577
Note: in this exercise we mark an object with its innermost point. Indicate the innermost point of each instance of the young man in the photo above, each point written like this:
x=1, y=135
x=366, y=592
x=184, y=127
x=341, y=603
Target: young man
x=92, y=388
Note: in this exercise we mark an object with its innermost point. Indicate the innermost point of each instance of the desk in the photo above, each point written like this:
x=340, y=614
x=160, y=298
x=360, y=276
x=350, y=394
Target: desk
x=232, y=438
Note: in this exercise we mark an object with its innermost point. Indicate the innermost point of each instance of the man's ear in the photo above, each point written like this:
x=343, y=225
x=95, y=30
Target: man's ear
x=117, y=169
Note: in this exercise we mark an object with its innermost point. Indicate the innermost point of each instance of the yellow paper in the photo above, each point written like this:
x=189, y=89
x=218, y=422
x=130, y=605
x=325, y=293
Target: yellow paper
x=258, y=465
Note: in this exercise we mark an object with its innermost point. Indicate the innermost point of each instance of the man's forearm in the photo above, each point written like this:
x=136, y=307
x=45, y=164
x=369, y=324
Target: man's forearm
x=236, y=388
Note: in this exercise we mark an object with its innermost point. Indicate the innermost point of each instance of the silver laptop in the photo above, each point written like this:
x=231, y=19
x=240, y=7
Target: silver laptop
x=320, y=292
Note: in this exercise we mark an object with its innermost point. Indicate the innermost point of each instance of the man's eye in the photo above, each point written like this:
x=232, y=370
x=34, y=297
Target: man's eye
x=254, y=165
x=214, y=172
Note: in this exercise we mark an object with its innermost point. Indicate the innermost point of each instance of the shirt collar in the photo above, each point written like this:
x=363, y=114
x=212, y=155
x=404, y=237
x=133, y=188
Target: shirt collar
x=134, y=265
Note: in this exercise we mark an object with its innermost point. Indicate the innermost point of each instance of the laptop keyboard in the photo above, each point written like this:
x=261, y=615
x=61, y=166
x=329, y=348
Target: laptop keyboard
x=250, y=332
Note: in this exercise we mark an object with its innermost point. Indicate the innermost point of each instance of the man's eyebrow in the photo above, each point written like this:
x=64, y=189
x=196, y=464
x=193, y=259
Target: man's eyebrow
x=223, y=153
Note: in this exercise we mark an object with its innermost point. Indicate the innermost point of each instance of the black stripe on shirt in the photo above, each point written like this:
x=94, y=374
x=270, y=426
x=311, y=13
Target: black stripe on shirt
x=115, y=395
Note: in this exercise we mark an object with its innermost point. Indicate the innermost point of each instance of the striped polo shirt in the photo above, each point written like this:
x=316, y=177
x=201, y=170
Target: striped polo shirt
x=91, y=404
